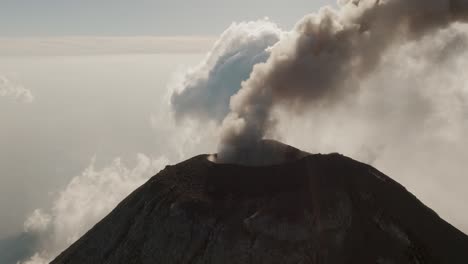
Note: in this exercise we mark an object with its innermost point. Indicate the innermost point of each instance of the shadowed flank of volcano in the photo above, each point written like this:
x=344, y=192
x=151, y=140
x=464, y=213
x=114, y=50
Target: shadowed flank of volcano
x=308, y=209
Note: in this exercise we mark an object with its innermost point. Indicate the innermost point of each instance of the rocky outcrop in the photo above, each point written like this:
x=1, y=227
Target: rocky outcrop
x=315, y=209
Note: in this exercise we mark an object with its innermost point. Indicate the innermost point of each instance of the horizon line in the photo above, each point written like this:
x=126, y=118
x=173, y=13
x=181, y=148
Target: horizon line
x=91, y=45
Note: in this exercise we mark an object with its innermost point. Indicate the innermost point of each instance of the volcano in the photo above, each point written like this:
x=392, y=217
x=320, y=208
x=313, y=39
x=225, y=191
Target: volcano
x=310, y=208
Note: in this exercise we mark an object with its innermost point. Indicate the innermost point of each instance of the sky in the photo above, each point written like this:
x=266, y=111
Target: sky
x=26, y=18
x=88, y=114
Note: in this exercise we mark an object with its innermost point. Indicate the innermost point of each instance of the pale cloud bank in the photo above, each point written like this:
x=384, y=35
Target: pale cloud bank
x=9, y=88
x=84, y=201
x=84, y=45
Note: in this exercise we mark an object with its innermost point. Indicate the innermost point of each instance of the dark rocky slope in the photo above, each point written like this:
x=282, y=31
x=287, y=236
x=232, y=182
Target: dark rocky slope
x=315, y=209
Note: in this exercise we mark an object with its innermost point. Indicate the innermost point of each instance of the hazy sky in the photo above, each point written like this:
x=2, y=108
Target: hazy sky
x=142, y=17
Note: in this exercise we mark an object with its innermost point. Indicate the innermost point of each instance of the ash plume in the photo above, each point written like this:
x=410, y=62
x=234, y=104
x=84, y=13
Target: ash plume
x=324, y=59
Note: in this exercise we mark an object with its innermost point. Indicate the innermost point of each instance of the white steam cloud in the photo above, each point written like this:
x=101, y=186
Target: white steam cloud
x=85, y=200
x=8, y=88
x=203, y=93
x=38, y=222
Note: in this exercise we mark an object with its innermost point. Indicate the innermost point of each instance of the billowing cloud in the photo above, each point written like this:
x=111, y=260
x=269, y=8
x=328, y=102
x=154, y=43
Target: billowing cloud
x=325, y=58
x=38, y=222
x=8, y=88
x=84, y=201
x=204, y=91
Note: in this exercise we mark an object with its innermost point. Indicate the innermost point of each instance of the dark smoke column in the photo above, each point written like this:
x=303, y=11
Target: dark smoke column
x=323, y=59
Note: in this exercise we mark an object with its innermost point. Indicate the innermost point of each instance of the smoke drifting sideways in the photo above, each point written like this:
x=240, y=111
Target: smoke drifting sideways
x=324, y=59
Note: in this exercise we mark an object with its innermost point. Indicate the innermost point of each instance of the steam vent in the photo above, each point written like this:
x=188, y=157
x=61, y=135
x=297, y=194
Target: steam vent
x=308, y=209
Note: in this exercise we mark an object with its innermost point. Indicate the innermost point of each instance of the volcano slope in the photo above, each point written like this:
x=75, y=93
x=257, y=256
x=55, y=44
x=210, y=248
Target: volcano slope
x=309, y=209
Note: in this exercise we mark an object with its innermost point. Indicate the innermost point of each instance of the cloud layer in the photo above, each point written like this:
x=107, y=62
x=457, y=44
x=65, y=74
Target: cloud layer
x=83, y=45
